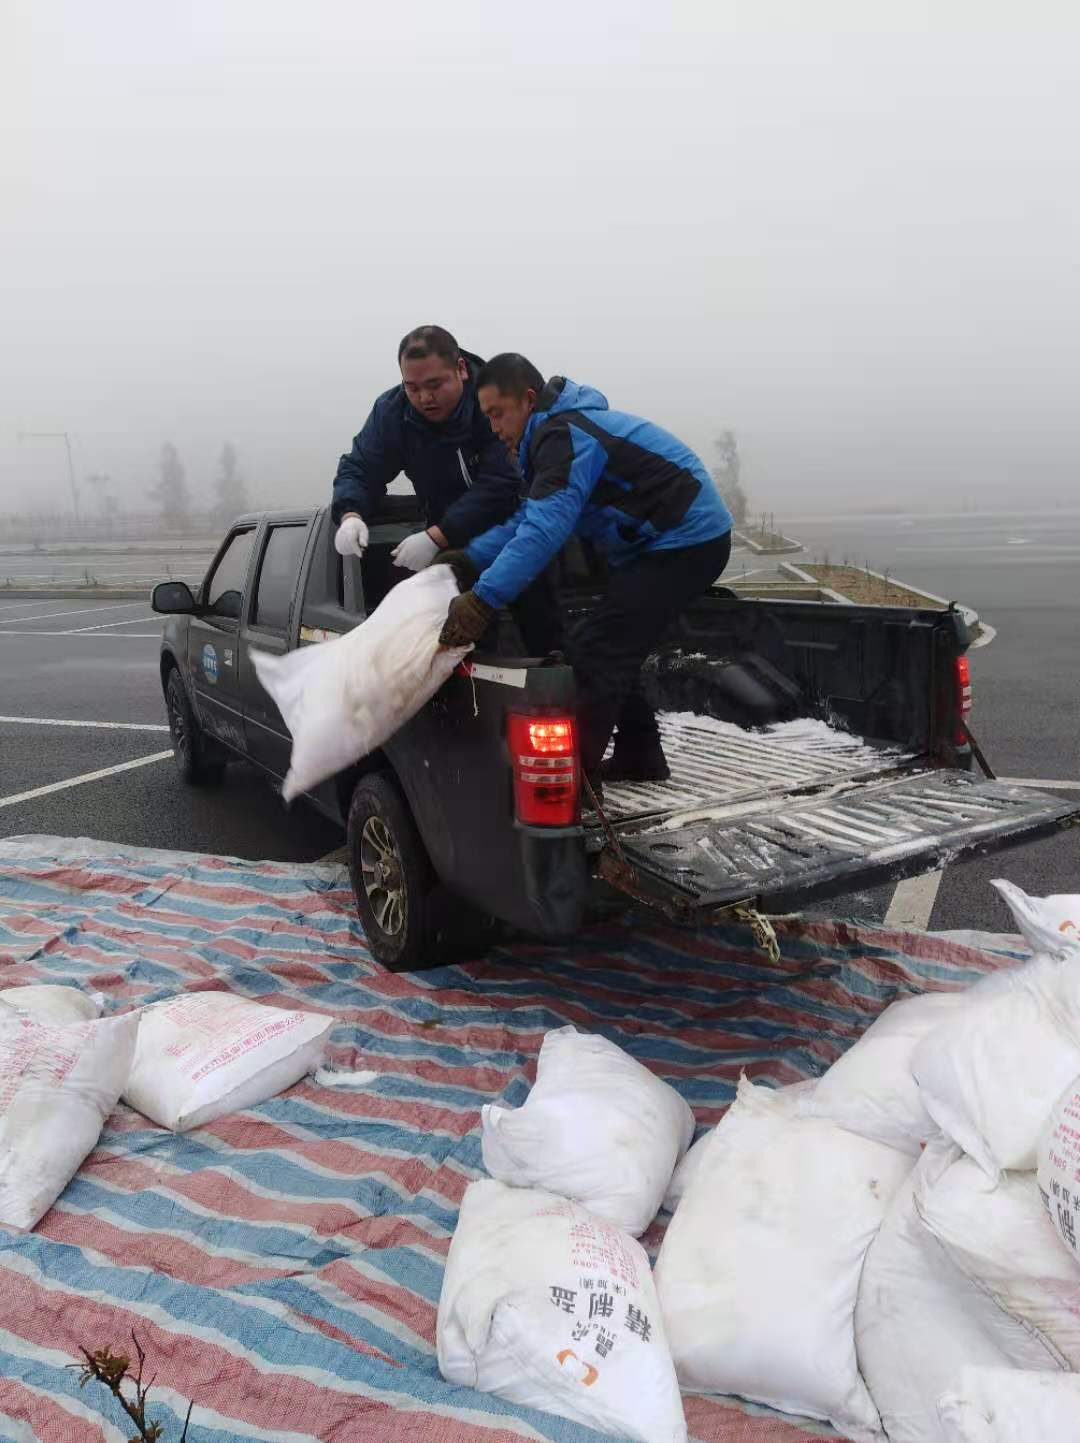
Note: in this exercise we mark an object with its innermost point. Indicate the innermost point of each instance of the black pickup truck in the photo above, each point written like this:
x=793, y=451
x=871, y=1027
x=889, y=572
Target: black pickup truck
x=815, y=748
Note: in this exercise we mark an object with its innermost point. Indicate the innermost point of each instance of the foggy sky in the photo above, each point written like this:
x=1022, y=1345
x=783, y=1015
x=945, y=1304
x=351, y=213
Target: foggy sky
x=849, y=231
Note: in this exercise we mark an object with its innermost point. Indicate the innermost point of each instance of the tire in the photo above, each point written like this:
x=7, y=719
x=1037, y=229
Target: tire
x=191, y=750
x=392, y=875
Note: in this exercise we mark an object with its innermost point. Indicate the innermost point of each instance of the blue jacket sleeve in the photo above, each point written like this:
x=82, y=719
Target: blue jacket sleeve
x=566, y=466
x=367, y=470
x=493, y=495
x=483, y=549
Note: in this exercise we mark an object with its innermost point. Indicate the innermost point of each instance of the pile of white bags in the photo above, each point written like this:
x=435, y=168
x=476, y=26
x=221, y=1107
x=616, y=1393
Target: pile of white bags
x=759, y=1270
x=920, y=1320
x=204, y=1054
x=990, y=1074
x=871, y=1089
x=546, y=1305
x=969, y=1305
x=57, y=1087
x=547, y=1300
x=342, y=699
x=998, y=1235
x=597, y=1127
x=872, y=1249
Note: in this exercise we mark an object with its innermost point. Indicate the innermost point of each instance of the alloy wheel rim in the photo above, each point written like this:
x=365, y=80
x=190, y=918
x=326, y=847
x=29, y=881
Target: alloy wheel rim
x=384, y=883
x=176, y=725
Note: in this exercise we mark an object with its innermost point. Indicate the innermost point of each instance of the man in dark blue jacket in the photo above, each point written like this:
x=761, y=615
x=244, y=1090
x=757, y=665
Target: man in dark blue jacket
x=431, y=428
x=644, y=500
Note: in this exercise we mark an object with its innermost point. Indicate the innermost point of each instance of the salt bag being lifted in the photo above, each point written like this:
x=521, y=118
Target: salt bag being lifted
x=342, y=699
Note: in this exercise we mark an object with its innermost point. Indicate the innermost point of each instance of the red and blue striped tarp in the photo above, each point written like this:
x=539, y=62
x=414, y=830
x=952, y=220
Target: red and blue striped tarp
x=281, y=1267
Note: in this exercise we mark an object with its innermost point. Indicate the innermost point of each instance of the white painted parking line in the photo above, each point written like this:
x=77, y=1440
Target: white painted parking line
x=105, y=625
x=86, y=777
x=81, y=611
x=913, y=901
x=53, y=721
x=1063, y=786
x=99, y=635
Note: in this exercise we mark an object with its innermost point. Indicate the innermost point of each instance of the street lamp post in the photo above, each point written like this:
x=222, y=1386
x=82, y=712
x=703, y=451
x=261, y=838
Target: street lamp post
x=66, y=438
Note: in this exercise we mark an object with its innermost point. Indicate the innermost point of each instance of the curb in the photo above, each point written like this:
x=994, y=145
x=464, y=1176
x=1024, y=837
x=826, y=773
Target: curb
x=790, y=544
x=84, y=593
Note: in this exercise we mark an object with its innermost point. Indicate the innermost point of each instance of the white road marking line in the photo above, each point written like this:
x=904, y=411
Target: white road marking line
x=105, y=625
x=913, y=902
x=86, y=777
x=81, y=611
x=100, y=636
x=53, y=721
x=1064, y=786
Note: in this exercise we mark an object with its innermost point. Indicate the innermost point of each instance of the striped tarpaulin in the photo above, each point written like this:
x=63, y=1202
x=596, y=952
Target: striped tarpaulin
x=282, y=1266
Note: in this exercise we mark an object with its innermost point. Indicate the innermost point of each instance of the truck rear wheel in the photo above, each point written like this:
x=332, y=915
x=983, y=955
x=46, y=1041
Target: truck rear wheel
x=192, y=751
x=391, y=873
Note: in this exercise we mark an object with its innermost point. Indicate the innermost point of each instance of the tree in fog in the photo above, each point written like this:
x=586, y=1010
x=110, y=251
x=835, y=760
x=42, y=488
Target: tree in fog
x=171, y=492
x=231, y=488
x=727, y=472
x=99, y=483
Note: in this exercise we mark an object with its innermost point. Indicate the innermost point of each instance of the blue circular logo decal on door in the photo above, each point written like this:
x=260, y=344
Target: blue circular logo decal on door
x=209, y=663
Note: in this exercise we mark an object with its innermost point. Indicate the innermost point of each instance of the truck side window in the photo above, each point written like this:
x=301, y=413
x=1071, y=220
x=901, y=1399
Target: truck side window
x=278, y=571
x=225, y=587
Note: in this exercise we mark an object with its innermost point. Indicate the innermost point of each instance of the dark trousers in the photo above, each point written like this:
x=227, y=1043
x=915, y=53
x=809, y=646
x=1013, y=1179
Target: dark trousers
x=608, y=648
x=539, y=616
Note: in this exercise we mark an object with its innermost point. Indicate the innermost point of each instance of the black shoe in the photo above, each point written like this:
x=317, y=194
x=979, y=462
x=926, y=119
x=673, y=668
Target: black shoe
x=644, y=766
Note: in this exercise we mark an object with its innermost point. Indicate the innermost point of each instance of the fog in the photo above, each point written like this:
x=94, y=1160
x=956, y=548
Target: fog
x=850, y=232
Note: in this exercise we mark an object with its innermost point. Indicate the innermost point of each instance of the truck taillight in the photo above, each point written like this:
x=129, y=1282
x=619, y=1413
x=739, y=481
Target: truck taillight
x=963, y=695
x=543, y=754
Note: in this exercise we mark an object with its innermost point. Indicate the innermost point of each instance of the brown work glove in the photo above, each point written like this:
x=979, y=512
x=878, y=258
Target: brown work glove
x=466, y=621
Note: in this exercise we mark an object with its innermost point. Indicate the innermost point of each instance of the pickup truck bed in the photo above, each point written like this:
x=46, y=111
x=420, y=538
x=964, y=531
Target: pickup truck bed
x=815, y=749
x=716, y=763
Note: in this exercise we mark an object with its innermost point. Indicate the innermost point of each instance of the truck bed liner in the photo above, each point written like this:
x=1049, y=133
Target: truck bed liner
x=714, y=762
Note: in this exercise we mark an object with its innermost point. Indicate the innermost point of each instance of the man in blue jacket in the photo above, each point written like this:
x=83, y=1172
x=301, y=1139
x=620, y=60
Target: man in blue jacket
x=431, y=428
x=644, y=500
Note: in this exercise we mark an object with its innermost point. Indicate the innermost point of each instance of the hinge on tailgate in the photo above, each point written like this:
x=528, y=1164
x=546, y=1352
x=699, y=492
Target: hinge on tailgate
x=609, y=831
x=978, y=751
x=616, y=868
x=763, y=930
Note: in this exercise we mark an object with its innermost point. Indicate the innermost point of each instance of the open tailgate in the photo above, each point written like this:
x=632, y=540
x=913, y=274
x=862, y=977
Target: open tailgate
x=788, y=851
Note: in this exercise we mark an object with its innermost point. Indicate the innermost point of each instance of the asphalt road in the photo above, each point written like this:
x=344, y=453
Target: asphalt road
x=110, y=675
x=134, y=564
x=96, y=662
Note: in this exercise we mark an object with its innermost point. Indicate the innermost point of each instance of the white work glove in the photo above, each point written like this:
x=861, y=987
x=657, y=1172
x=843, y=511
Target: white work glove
x=352, y=537
x=415, y=552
